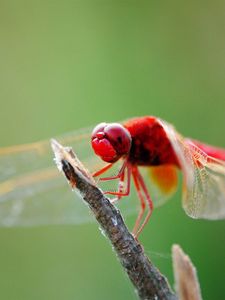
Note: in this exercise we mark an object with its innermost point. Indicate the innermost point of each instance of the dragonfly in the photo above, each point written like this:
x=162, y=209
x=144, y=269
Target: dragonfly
x=144, y=153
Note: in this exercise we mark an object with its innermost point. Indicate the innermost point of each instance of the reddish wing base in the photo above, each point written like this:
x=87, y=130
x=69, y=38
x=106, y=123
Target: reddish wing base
x=210, y=150
x=203, y=169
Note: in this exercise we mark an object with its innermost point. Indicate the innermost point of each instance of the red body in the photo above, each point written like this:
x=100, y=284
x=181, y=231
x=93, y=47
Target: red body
x=151, y=146
x=145, y=141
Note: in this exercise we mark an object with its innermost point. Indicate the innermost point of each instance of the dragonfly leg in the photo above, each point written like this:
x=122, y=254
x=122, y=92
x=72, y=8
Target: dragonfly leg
x=120, y=188
x=121, y=185
x=103, y=170
x=149, y=202
x=142, y=200
x=120, y=173
x=120, y=193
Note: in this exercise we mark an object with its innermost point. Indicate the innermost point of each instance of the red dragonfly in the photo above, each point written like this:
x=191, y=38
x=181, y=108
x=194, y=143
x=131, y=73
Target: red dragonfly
x=146, y=149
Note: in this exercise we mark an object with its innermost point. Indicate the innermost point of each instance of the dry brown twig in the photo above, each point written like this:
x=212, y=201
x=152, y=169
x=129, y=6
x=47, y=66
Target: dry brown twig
x=187, y=285
x=149, y=283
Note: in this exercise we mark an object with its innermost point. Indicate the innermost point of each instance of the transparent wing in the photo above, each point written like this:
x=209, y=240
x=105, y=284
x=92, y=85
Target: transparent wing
x=33, y=192
x=204, y=178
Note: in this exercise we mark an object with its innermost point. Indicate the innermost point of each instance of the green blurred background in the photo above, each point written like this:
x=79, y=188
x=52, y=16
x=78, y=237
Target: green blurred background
x=69, y=64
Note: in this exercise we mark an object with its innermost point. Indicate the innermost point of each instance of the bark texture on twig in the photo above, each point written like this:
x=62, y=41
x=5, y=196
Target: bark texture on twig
x=146, y=278
x=187, y=285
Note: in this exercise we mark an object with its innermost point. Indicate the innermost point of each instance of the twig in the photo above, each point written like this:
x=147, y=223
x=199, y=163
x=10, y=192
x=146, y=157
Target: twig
x=187, y=284
x=146, y=278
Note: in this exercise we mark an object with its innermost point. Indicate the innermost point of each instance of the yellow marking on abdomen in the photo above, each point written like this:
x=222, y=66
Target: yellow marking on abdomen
x=165, y=177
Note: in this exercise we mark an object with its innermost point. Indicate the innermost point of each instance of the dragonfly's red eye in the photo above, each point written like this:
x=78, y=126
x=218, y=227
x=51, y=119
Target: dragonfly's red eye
x=111, y=141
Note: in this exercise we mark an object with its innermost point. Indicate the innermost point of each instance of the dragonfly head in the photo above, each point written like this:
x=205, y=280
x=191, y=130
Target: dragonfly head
x=110, y=141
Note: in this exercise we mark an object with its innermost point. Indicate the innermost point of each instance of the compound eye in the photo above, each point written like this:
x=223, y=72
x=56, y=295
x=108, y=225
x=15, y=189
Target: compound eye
x=104, y=149
x=101, y=145
x=110, y=141
x=119, y=137
x=98, y=131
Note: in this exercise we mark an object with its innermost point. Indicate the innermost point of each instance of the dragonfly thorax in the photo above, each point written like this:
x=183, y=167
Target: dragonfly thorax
x=150, y=143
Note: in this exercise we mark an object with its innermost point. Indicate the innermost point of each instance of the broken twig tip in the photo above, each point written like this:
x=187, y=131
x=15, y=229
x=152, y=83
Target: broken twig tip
x=55, y=145
x=58, y=151
x=67, y=161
